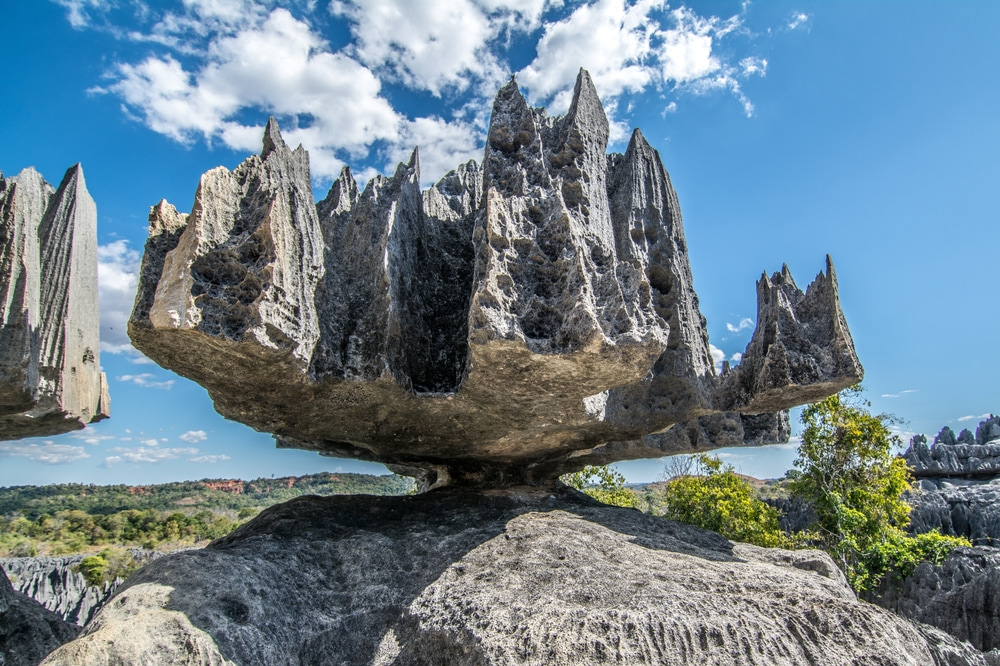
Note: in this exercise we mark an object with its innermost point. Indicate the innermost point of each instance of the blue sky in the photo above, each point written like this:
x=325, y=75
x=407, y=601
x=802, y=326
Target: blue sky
x=865, y=130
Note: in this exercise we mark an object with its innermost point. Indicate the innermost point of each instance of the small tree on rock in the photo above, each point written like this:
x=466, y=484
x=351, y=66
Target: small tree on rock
x=855, y=484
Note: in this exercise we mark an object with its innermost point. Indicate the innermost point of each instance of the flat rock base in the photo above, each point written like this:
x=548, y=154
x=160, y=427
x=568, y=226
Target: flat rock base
x=518, y=576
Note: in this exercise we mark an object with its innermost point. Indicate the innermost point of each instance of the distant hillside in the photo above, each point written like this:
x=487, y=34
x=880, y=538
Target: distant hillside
x=234, y=494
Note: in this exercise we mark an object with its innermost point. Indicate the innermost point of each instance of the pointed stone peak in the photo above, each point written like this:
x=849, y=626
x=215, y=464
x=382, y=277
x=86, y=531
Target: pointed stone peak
x=586, y=110
x=409, y=170
x=272, y=138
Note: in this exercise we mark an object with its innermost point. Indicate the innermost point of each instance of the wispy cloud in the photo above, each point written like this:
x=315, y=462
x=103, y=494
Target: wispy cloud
x=900, y=394
x=117, y=278
x=209, y=459
x=91, y=436
x=971, y=417
x=148, y=454
x=146, y=380
x=194, y=436
x=798, y=20
x=46, y=452
x=743, y=325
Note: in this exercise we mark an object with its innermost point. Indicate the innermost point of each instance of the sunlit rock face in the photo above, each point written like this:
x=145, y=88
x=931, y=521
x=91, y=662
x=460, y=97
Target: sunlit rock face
x=50, y=378
x=515, y=321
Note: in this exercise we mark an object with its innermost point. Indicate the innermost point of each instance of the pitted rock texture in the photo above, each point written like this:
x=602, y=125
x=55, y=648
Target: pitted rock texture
x=960, y=596
x=966, y=456
x=28, y=632
x=515, y=321
x=524, y=575
x=50, y=378
x=967, y=508
x=55, y=584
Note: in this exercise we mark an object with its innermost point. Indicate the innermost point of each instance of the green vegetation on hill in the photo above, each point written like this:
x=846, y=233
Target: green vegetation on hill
x=74, y=518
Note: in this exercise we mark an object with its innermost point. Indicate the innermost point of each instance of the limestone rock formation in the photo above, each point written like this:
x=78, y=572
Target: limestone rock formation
x=54, y=583
x=28, y=632
x=523, y=575
x=966, y=456
x=515, y=321
x=50, y=378
x=958, y=494
x=960, y=596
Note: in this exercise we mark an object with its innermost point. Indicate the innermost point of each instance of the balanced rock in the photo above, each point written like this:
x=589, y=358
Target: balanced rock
x=50, y=378
x=524, y=575
x=514, y=322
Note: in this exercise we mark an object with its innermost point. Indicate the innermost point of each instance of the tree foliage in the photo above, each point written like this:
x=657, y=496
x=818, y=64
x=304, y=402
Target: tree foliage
x=718, y=499
x=855, y=484
x=603, y=484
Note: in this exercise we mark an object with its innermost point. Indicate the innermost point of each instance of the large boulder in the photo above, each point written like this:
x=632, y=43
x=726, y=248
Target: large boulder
x=527, y=575
x=515, y=321
x=28, y=632
x=50, y=369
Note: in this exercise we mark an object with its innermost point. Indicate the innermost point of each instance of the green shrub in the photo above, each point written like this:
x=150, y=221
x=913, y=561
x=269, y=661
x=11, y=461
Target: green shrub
x=603, y=484
x=718, y=499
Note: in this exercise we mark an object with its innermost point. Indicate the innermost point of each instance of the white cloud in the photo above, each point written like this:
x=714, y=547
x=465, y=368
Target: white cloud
x=192, y=436
x=148, y=454
x=217, y=68
x=78, y=11
x=90, y=436
x=149, y=442
x=432, y=44
x=46, y=452
x=117, y=279
x=718, y=356
x=209, y=459
x=971, y=417
x=900, y=394
x=743, y=324
x=443, y=146
x=607, y=38
x=798, y=20
x=278, y=65
x=147, y=380
x=111, y=461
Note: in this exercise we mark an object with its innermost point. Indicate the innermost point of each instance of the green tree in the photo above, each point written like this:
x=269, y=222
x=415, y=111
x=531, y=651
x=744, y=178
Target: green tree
x=718, y=499
x=603, y=484
x=855, y=484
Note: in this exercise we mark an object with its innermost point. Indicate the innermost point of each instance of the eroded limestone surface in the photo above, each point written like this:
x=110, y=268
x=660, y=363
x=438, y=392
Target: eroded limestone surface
x=513, y=576
x=517, y=320
x=50, y=378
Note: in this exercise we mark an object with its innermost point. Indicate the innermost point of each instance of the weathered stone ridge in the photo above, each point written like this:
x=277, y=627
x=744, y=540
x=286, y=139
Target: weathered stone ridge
x=50, y=378
x=966, y=456
x=513, y=322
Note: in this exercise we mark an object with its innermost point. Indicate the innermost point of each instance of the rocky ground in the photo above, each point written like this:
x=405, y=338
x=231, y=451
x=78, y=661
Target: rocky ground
x=523, y=575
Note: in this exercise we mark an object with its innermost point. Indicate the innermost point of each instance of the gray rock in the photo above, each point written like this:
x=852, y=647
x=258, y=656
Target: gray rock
x=960, y=596
x=521, y=575
x=967, y=456
x=512, y=323
x=28, y=632
x=54, y=583
x=50, y=378
x=967, y=508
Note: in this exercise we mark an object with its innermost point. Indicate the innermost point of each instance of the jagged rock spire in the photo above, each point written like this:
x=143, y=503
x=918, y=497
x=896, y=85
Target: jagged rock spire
x=511, y=323
x=50, y=378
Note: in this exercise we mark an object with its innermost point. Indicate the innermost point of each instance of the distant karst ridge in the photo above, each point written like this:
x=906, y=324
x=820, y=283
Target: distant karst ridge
x=516, y=321
x=50, y=377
